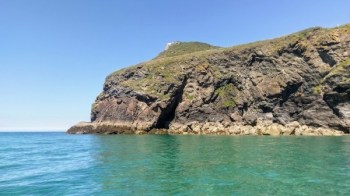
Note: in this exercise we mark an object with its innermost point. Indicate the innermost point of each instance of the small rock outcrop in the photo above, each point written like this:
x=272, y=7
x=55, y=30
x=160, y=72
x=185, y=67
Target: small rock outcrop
x=294, y=85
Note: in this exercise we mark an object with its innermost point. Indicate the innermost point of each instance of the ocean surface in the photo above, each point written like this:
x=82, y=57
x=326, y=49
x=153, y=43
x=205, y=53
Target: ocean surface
x=62, y=164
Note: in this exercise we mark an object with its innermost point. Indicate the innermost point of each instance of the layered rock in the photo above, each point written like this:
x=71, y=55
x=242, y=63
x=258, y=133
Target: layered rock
x=260, y=88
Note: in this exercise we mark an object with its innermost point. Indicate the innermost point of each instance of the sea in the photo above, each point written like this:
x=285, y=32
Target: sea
x=63, y=164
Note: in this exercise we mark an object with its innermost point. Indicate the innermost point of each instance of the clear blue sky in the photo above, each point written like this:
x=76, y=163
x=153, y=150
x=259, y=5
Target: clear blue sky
x=55, y=54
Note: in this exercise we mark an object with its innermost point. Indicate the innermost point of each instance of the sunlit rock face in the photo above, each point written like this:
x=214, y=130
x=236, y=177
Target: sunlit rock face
x=293, y=85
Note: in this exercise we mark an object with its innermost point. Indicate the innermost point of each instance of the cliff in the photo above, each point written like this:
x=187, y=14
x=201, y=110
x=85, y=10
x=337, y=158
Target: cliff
x=293, y=85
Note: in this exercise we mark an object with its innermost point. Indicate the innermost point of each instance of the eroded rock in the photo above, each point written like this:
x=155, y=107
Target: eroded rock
x=293, y=85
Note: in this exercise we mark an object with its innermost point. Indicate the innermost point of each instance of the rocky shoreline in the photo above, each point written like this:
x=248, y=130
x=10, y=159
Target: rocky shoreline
x=293, y=85
x=209, y=128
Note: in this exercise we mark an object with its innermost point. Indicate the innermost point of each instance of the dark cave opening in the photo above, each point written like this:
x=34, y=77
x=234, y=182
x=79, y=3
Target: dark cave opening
x=168, y=114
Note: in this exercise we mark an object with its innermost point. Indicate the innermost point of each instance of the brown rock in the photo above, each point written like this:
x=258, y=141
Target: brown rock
x=296, y=84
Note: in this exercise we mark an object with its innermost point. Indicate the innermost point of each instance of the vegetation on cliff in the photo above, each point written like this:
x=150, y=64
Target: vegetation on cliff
x=181, y=48
x=302, y=77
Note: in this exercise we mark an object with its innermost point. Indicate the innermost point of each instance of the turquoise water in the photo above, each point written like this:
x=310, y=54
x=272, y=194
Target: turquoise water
x=61, y=164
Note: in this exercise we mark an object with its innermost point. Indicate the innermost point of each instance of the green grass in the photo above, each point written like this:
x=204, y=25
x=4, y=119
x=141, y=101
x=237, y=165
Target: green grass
x=181, y=48
x=229, y=103
x=338, y=69
x=169, y=65
x=317, y=89
x=226, y=95
x=159, y=71
x=184, y=51
x=189, y=97
x=342, y=66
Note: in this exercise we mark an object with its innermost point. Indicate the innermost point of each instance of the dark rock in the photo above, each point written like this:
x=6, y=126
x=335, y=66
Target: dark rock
x=304, y=77
x=320, y=115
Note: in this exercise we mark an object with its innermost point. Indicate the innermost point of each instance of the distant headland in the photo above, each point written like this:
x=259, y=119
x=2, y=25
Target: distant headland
x=293, y=85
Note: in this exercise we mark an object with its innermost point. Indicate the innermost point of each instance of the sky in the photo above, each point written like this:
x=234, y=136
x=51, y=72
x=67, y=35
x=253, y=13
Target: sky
x=55, y=54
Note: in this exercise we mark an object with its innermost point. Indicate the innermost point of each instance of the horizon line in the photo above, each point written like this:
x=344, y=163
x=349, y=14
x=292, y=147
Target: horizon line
x=32, y=130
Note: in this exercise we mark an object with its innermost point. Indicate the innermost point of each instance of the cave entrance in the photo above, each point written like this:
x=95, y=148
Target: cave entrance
x=168, y=114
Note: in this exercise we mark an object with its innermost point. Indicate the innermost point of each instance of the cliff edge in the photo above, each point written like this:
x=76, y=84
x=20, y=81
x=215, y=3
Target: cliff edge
x=293, y=85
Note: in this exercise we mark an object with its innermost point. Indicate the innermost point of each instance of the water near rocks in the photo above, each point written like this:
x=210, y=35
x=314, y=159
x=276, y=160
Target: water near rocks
x=61, y=164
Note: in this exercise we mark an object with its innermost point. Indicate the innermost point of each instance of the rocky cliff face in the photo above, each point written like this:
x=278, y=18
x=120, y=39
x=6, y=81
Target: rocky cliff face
x=297, y=84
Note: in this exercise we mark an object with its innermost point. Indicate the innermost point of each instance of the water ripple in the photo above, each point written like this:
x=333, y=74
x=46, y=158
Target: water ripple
x=60, y=164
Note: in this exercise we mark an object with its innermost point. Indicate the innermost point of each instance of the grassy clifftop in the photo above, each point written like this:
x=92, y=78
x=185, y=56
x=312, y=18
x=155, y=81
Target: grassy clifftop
x=181, y=48
x=170, y=64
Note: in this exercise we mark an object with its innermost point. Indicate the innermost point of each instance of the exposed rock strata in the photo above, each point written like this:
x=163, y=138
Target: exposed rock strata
x=293, y=85
x=212, y=128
